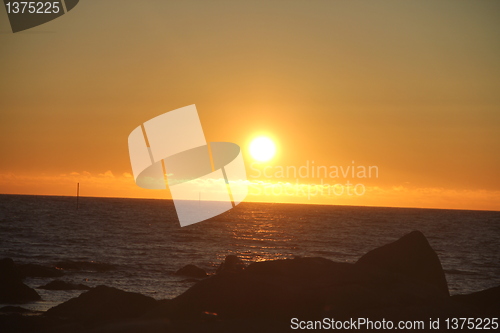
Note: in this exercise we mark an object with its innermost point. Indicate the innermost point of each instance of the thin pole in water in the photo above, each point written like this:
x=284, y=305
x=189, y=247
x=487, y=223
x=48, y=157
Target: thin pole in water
x=77, y=195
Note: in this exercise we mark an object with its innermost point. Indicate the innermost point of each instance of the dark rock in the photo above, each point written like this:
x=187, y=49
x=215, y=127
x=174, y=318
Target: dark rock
x=137, y=326
x=488, y=299
x=192, y=271
x=9, y=271
x=63, y=285
x=17, y=292
x=16, y=321
x=162, y=309
x=270, y=289
x=12, y=288
x=21, y=322
x=405, y=274
x=231, y=264
x=304, y=287
x=33, y=270
x=412, y=256
x=103, y=303
x=238, y=296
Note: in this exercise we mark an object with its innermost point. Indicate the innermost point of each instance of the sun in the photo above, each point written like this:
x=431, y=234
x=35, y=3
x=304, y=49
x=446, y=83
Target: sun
x=262, y=149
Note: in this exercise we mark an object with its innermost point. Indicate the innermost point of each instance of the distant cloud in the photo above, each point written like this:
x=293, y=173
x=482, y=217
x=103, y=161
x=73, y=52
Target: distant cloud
x=107, y=174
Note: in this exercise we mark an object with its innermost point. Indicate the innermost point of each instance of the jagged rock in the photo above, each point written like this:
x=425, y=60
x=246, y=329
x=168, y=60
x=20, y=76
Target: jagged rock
x=12, y=288
x=411, y=256
x=103, y=303
x=192, y=271
x=63, y=285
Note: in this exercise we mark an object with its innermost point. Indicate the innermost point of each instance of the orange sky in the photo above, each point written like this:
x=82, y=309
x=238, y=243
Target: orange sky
x=409, y=87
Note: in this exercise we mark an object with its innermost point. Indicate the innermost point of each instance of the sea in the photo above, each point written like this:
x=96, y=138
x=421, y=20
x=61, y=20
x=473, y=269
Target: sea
x=137, y=244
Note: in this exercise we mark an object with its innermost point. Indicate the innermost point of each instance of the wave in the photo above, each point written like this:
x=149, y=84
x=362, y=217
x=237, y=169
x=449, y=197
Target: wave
x=459, y=272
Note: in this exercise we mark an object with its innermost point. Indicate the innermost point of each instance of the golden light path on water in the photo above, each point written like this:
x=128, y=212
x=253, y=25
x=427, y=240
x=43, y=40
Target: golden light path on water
x=263, y=235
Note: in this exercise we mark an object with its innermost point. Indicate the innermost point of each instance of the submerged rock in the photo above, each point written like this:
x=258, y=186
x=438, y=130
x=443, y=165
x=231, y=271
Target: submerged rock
x=192, y=271
x=12, y=288
x=63, y=285
x=103, y=303
x=34, y=270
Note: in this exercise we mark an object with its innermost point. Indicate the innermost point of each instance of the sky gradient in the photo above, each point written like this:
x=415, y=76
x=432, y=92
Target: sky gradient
x=408, y=86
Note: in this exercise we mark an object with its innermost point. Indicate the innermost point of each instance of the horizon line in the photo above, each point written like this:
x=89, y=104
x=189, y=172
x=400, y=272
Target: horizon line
x=260, y=202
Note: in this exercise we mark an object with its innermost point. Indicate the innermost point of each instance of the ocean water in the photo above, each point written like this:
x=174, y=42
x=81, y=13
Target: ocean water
x=137, y=244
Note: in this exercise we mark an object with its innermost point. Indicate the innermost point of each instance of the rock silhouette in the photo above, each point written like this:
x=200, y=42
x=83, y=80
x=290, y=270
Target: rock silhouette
x=103, y=303
x=12, y=288
x=486, y=300
x=412, y=256
x=403, y=274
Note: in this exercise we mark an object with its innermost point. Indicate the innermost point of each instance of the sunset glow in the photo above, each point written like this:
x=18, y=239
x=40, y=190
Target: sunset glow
x=406, y=87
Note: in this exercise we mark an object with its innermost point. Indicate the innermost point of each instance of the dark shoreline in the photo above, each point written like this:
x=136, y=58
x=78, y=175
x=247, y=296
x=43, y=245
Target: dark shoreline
x=399, y=281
